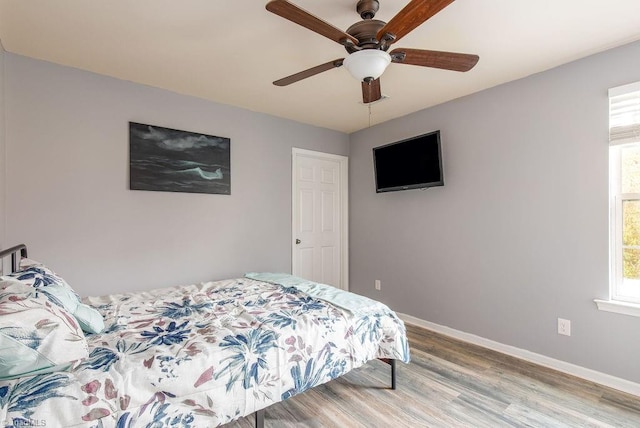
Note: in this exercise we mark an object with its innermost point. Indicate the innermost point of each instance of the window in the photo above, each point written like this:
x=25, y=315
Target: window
x=624, y=171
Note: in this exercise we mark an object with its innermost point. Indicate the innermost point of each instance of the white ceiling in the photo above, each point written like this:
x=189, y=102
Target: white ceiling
x=231, y=51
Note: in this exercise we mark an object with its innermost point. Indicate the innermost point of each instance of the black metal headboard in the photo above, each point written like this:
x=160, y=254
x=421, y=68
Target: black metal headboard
x=13, y=251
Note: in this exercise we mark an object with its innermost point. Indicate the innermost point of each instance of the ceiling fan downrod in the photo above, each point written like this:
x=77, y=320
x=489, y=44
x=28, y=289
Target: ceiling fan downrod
x=367, y=8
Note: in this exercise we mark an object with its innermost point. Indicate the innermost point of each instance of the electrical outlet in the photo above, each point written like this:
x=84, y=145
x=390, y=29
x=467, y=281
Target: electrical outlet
x=564, y=327
x=378, y=285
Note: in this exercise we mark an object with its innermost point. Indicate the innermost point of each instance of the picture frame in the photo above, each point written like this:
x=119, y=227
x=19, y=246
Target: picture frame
x=170, y=160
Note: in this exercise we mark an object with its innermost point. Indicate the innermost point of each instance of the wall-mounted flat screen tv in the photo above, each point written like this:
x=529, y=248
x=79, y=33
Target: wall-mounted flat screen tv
x=414, y=163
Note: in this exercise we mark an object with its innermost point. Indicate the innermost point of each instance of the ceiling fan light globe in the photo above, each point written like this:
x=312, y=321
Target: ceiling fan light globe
x=367, y=63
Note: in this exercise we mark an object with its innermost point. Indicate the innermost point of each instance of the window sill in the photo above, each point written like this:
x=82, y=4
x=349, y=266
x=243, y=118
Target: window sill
x=618, y=307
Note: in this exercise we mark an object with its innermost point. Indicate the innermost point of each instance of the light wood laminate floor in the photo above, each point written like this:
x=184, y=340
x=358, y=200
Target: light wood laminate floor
x=450, y=383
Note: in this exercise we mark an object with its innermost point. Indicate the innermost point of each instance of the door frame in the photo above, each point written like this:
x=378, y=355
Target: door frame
x=344, y=203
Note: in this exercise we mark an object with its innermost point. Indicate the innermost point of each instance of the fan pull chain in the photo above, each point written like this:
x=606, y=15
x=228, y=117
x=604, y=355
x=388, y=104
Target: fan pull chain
x=369, y=114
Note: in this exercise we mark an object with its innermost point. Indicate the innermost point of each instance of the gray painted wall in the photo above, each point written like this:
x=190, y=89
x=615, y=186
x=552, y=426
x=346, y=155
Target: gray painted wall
x=67, y=176
x=518, y=236
x=2, y=151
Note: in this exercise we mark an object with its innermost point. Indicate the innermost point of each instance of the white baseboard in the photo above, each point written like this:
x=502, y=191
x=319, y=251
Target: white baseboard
x=572, y=369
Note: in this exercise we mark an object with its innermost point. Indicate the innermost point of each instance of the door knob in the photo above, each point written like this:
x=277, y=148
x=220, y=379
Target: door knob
x=298, y=241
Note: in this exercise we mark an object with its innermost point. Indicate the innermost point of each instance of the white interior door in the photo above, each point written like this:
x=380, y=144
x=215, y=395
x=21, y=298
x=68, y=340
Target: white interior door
x=320, y=210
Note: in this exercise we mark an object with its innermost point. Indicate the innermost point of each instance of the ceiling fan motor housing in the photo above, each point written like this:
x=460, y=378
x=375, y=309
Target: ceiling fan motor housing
x=365, y=31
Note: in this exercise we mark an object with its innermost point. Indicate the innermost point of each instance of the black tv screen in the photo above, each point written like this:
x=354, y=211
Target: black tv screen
x=415, y=163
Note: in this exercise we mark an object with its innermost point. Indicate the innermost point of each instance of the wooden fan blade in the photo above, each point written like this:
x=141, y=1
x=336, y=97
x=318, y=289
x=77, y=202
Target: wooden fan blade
x=308, y=73
x=371, y=91
x=301, y=17
x=413, y=14
x=436, y=59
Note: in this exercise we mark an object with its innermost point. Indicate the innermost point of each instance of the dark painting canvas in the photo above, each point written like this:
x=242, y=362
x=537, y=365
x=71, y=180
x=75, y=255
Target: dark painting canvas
x=169, y=160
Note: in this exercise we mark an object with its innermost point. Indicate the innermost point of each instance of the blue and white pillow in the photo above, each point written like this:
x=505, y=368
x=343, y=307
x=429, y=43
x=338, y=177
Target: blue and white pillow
x=58, y=291
x=36, y=336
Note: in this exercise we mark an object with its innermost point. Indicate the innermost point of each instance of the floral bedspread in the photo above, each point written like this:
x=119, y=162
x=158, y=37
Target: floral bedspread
x=201, y=355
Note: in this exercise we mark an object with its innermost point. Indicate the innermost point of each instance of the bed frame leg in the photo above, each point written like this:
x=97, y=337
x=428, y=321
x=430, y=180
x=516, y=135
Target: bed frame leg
x=392, y=363
x=393, y=373
x=260, y=418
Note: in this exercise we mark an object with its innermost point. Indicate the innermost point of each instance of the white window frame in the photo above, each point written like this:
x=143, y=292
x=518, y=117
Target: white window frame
x=617, y=226
x=619, y=137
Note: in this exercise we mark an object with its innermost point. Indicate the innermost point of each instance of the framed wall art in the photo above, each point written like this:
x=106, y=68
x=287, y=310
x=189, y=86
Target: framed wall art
x=169, y=160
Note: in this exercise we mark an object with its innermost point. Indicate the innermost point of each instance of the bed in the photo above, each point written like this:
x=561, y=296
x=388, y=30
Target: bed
x=185, y=356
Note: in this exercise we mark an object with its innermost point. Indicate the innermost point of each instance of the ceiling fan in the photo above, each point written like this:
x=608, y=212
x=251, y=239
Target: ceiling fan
x=368, y=41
